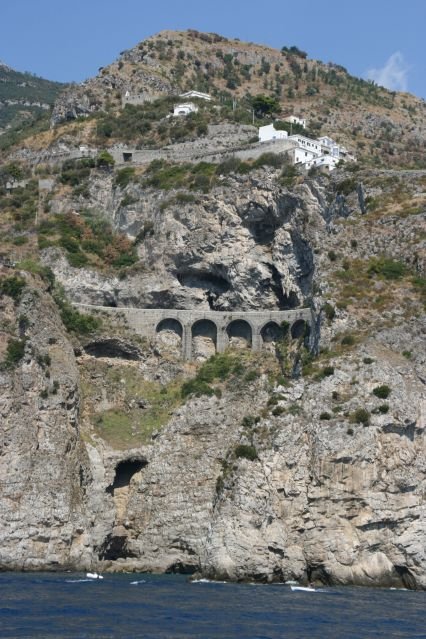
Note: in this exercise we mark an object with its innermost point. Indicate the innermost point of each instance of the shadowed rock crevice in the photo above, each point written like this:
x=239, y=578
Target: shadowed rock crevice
x=284, y=302
x=261, y=222
x=112, y=347
x=205, y=280
x=114, y=547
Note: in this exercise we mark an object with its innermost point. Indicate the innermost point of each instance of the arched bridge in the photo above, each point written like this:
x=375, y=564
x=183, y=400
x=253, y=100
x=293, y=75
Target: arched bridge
x=256, y=327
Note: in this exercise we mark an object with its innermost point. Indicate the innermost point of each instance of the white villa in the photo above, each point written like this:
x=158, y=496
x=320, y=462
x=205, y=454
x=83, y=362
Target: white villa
x=190, y=95
x=307, y=152
x=269, y=132
x=185, y=108
x=307, y=143
x=293, y=119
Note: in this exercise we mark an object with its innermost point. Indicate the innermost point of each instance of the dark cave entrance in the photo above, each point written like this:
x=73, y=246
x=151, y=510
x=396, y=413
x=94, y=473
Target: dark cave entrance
x=124, y=472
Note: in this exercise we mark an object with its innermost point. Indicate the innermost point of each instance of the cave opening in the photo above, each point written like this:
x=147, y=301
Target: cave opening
x=205, y=280
x=124, y=472
x=112, y=348
x=114, y=547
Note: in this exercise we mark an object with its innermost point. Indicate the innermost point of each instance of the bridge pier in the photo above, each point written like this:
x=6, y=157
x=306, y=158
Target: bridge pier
x=221, y=340
x=187, y=342
x=256, y=340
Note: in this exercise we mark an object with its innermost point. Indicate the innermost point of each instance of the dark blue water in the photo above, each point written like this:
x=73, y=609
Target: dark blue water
x=169, y=607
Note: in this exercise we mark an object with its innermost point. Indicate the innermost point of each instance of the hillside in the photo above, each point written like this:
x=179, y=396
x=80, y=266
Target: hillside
x=24, y=98
x=212, y=360
x=380, y=126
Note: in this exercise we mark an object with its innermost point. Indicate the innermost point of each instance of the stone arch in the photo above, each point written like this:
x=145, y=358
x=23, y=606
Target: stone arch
x=300, y=328
x=272, y=332
x=240, y=333
x=204, y=338
x=170, y=332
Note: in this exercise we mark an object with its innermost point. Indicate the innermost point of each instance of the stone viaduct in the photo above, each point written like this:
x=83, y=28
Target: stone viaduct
x=256, y=327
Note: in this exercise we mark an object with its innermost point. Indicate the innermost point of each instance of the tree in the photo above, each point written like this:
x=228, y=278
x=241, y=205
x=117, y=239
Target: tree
x=105, y=160
x=265, y=105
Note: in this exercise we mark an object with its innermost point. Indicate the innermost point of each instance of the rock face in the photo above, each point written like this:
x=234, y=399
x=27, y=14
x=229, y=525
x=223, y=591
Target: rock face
x=271, y=478
x=190, y=254
x=44, y=469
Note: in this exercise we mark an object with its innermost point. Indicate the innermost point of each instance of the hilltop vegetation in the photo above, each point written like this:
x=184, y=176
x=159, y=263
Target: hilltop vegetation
x=381, y=126
x=25, y=100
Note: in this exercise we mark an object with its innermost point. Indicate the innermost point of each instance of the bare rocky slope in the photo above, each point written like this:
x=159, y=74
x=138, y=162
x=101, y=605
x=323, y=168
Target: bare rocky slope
x=305, y=460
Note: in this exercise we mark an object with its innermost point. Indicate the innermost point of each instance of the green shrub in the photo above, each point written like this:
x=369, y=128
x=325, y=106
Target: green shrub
x=382, y=409
x=387, y=268
x=361, y=416
x=246, y=451
x=77, y=259
x=219, y=366
x=407, y=354
x=332, y=256
x=73, y=320
x=270, y=159
x=345, y=187
x=105, y=160
x=250, y=376
x=12, y=287
x=288, y=175
x=329, y=311
x=382, y=392
x=368, y=360
x=196, y=387
x=14, y=353
x=124, y=176
x=278, y=410
x=248, y=421
x=325, y=416
x=327, y=371
x=348, y=340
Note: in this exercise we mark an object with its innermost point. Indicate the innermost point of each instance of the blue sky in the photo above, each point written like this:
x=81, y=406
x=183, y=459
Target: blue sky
x=380, y=39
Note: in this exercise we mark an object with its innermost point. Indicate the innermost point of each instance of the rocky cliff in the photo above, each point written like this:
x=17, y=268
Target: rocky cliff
x=284, y=467
x=302, y=460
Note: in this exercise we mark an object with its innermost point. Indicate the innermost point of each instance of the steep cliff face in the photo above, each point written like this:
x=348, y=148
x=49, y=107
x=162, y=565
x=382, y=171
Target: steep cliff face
x=44, y=470
x=283, y=467
x=189, y=255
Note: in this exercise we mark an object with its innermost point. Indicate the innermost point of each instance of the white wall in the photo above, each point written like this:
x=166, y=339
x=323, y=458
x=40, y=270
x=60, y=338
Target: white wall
x=184, y=109
x=306, y=143
x=301, y=155
x=269, y=132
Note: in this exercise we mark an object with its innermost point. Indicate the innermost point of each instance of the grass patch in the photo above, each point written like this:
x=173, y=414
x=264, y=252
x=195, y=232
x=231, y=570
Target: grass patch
x=127, y=424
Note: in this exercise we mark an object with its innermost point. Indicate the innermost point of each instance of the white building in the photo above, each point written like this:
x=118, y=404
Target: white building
x=269, y=132
x=302, y=156
x=185, y=108
x=328, y=145
x=293, y=119
x=307, y=143
x=323, y=161
x=190, y=95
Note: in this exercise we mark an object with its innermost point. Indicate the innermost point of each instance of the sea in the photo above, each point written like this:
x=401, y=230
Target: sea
x=69, y=605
